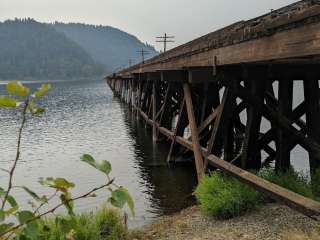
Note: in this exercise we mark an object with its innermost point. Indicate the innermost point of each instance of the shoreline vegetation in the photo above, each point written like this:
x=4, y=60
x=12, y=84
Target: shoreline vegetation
x=228, y=209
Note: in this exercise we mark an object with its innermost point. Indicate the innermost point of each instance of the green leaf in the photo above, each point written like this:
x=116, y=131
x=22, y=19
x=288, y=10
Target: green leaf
x=7, y=102
x=32, y=229
x=88, y=159
x=34, y=195
x=130, y=201
x=120, y=197
x=16, y=88
x=38, y=110
x=67, y=202
x=10, y=211
x=24, y=216
x=42, y=90
x=5, y=227
x=60, y=184
x=34, y=109
x=2, y=215
x=104, y=166
x=12, y=201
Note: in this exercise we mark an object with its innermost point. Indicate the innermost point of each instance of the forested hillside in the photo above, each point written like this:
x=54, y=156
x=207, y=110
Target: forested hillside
x=107, y=45
x=34, y=50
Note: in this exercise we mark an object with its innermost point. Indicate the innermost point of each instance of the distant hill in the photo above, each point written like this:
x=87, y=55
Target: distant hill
x=33, y=50
x=29, y=49
x=107, y=45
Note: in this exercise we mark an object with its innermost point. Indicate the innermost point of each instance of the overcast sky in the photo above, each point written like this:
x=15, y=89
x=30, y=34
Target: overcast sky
x=186, y=19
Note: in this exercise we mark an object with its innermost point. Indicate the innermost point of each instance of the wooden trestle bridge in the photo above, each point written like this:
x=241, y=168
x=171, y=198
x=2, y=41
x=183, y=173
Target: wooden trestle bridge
x=220, y=87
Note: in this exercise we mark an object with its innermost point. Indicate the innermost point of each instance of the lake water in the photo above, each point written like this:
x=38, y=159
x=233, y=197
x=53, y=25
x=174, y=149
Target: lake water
x=83, y=117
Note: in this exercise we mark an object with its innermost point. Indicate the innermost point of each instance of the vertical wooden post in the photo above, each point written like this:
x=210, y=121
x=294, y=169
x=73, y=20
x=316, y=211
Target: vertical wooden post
x=204, y=102
x=182, y=106
x=311, y=94
x=194, y=132
x=224, y=116
x=139, y=99
x=283, y=140
x=256, y=82
x=154, y=112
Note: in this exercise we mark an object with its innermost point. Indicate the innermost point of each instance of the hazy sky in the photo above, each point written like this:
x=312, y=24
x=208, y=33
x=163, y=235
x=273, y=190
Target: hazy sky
x=186, y=19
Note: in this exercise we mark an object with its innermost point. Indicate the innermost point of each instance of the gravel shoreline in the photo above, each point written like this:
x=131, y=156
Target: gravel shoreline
x=269, y=222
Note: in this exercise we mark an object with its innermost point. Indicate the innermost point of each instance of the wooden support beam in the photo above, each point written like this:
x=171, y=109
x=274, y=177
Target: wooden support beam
x=194, y=131
x=251, y=156
x=139, y=98
x=224, y=115
x=154, y=111
x=283, y=139
x=305, y=141
x=311, y=94
x=302, y=204
x=182, y=106
x=205, y=100
x=209, y=119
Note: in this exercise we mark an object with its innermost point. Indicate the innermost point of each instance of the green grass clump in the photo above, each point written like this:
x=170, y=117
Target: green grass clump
x=104, y=224
x=294, y=181
x=225, y=197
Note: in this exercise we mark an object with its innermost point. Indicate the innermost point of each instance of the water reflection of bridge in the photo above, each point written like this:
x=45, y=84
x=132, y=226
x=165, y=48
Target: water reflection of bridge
x=210, y=83
x=171, y=187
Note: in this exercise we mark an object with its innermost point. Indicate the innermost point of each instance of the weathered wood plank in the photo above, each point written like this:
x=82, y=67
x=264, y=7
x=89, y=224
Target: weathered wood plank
x=194, y=131
x=154, y=112
x=182, y=106
x=312, y=100
x=299, y=41
x=283, y=139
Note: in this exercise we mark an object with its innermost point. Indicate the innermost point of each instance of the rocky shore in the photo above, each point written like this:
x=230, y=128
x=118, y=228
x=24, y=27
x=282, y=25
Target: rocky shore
x=270, y=222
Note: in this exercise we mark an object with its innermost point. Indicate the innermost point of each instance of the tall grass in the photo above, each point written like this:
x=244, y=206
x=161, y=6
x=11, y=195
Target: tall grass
x=105, y=224
x=225, y=197
x=292, y=180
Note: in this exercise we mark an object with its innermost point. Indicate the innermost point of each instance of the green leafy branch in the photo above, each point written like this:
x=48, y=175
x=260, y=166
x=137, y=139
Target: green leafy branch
x=27, y=226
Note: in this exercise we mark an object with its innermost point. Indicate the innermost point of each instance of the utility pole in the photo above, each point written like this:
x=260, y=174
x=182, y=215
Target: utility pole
x=165, y=39
x=143, y=53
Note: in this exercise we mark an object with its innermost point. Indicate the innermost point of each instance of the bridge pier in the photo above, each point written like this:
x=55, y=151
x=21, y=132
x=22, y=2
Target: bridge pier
x=224, y=114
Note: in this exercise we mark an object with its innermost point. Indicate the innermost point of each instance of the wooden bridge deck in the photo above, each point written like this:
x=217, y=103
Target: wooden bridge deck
x=284, y=35
x=222, y=86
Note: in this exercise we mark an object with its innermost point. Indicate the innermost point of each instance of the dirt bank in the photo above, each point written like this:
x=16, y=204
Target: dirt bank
x=269, y=222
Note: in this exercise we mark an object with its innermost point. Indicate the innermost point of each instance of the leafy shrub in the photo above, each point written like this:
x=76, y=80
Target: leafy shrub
x=291, y=180
x=104, y=224
x=29, y=225
x=225, y=197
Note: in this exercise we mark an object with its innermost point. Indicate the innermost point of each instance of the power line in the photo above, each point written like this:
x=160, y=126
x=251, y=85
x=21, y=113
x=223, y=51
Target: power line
x=143, y=53
x=165, y=39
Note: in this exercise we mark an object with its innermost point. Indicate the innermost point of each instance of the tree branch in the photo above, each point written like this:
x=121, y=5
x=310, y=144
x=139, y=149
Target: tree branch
x=52, y=210
x=11, y=173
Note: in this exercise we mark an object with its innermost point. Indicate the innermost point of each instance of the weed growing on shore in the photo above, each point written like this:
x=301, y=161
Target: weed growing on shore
x=292, y=180
x=105, y=224
x=224, y=197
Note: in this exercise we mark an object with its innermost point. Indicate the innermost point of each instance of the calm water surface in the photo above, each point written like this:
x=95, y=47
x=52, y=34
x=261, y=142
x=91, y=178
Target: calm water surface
x=83, y=117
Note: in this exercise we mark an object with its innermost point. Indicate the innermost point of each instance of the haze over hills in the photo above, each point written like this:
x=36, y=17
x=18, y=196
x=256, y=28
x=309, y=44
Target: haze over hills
x=33, y=50
x=107, y=45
